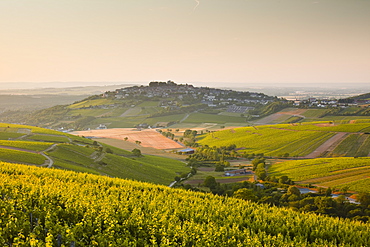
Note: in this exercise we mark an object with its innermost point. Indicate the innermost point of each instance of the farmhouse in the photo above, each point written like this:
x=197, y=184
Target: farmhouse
x=236, y=172
x=187, y=151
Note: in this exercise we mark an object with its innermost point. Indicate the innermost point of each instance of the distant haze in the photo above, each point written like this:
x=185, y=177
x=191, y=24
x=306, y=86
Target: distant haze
x=212, y=42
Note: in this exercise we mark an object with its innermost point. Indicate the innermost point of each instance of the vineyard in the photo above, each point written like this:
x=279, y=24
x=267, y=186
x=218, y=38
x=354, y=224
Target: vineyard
x=294, y=139
x=354, y=145
x=34, y=146
x=21, y=157
x=45, y=207
x=350, y=173
x=270, y=141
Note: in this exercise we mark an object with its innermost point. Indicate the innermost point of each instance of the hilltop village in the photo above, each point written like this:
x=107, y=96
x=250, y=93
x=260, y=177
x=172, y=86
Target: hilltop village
x=171, y=94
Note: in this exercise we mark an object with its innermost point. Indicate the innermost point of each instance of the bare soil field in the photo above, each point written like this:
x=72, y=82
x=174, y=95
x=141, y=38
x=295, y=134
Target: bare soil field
x=144, y=150
x=147, y=137
x=280, y=116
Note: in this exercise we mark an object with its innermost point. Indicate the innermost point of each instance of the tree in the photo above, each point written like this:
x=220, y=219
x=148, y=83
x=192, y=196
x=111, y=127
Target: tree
x=108, y=150
x=364, y=199
x=257, y=161
x=328, y=192
x=210, y=182
x=219, y=168
x=136, y=152
x=126, y=138
x=138, y=142
x=261, y=173
x=245, y=194
x=292, y=190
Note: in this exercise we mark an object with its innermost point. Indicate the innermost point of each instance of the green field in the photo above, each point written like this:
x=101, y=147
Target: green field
x=170, y=118
x=54, y=207
x=95, y=102
x=337, y=119
x=83, y=155
x=35, y=146
x=9, y=135
x=354, y=145
x=146, y=168
x=211, y=118
x=295, y=139
x=16, y=156
x=268, y=140
x=48, y=138
x=351, y=173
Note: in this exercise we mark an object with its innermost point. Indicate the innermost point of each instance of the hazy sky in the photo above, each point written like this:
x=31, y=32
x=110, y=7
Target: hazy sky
x=239, y=41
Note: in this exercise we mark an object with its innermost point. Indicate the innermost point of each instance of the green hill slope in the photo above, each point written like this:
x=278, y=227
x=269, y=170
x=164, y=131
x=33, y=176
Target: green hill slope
x=46, y=207
x=350, y=173
x=153, y=105
x=293, y=139
x=43, y=147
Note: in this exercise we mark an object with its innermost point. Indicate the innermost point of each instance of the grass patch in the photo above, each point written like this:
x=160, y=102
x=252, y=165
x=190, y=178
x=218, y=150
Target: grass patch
x=16, y=156
x=35, y=146
x=210, y=118
x=48, y=138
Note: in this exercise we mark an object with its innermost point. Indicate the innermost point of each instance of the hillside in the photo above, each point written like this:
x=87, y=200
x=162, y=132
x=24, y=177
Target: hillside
x=160, y=104
x=340, y=173
x=294, y=140
x=360, y=98
x=53, y=207
x=49, y=148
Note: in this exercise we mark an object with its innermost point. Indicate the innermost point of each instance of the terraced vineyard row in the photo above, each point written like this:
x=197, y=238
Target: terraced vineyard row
x=331, y=172
x=35, y=146
x=294, y=139
x=354, y=145
x=50, y=207
x=21, y=157
x=270, y=141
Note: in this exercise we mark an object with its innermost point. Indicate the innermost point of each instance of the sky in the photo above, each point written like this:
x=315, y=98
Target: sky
x=216, y=42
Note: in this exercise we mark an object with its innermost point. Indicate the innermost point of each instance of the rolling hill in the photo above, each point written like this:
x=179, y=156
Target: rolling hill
x=46, y=207
x=341, y=173
x=49, y=148
x=293, y=139
x=159, y=104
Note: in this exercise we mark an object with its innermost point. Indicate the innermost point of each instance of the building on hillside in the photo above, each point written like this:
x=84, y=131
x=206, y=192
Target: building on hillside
x=102, y=127
x=236, y=172
x=187, y=151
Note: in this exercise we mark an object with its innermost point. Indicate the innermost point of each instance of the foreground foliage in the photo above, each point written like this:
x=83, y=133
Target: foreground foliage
x=45, y=207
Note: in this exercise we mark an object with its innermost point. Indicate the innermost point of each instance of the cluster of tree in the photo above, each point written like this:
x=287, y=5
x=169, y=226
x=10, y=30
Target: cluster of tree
x=178, y=110
x=190, y=133
x=136, y=152
x=220, y=165
x=161, y=83
x=214, y=153
x=283, y=195
x=252, y=155
x=184, y=176
x=259, y=168
x=167, y=134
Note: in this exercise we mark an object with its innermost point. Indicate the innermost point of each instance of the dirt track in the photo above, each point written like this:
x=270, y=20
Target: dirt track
x=279, y=115
x=147, y=137
x=326, y=145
